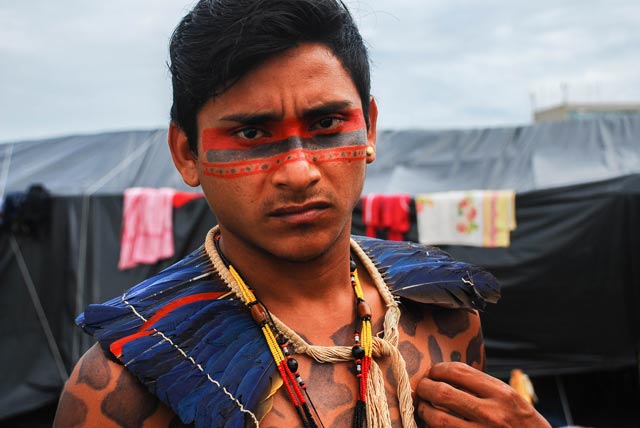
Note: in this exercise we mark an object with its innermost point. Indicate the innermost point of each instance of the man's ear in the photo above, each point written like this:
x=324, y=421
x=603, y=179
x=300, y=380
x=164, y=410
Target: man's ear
x=371, y=132
x=183, y=158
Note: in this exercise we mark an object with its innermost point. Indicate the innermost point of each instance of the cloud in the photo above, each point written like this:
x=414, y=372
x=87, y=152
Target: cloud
x=77, y=66
x=467, y=63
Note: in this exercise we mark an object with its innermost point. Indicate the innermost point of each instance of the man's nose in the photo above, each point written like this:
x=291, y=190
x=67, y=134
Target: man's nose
x=297, y=171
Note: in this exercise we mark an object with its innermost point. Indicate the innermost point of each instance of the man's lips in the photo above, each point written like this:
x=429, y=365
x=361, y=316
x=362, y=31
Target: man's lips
x=299, y=209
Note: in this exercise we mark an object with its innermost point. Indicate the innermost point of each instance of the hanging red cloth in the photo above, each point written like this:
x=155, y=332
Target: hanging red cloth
x=386, y=212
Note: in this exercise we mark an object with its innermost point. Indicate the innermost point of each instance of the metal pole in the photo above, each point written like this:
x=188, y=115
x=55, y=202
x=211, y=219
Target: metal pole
x=564, y=401
x=53, y=346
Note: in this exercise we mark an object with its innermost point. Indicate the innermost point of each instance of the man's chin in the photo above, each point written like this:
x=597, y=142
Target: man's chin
x=301, y=254
x=306, y=248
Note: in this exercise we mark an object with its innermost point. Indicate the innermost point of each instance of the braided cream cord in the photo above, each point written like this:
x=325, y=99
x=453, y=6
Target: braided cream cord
x=377, y=406
x=389, y=345
x=218, y=264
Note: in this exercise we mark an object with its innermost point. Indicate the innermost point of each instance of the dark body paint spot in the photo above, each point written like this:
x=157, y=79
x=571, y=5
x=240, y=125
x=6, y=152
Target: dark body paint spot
x=412, y=356
x=344, y=419
x=94, y=371
x=322, y=379
x=435, y=353
x=451, y=322
x=412, y=315
x=129, y=404
x=474, y=350
x=74, y=409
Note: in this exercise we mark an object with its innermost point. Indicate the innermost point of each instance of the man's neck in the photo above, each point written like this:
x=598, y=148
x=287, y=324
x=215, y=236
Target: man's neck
x=313, y=297
x=280, y=281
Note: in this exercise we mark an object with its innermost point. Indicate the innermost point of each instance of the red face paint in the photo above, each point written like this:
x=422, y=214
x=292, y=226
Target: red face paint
x=230, y=155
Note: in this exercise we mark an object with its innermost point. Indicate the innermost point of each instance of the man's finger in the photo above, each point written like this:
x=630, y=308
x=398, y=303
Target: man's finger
x=466, y=377
x=434, y=417
x=447, y=397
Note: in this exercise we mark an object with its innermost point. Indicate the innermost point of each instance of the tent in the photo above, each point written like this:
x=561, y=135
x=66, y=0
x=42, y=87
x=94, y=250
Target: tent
x=570, y=278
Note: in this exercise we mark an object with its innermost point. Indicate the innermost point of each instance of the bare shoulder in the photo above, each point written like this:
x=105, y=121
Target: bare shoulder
x=438, y=334
x=101, y=392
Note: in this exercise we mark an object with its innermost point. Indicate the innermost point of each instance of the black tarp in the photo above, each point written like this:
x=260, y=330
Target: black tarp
x=570, y=277
x=570, y=280
x=74, y=264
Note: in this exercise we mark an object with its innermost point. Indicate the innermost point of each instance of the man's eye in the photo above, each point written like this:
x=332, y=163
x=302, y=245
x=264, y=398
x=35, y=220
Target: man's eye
x=327, y=123
x=250, y=133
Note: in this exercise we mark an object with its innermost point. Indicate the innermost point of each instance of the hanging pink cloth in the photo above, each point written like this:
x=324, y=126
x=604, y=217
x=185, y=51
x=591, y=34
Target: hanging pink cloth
x=147, y=226
x=371, y=214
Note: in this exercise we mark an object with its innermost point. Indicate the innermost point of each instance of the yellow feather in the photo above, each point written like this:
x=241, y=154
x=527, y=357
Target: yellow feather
x=265, y=406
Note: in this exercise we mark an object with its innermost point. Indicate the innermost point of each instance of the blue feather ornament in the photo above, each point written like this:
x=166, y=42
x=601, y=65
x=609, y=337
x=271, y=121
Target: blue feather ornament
x=205, y=357
x=221, y=342
x=429, y=275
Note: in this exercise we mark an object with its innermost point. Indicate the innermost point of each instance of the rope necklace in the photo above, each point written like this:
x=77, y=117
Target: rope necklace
x=288, y=366
x=384, y=347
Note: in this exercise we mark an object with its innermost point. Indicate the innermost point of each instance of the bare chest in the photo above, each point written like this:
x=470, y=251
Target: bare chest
x=426, y=337
x=333, y=389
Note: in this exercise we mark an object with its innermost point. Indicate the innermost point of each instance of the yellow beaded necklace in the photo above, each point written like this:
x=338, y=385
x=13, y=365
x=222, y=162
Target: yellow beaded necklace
x=288, y=366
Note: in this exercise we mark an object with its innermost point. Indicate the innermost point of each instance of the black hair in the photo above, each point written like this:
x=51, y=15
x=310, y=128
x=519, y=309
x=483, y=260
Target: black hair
x=219, y=41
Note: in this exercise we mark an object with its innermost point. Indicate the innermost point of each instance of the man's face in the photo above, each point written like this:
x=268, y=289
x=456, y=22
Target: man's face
x=281, y=155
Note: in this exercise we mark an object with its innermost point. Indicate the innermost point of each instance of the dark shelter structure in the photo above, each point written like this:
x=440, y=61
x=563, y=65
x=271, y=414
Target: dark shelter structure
x=569, y=313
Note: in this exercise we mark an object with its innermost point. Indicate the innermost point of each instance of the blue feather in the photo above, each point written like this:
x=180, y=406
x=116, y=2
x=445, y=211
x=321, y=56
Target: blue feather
x=255, y=384
x=99, y=315
x=429, y=275
x=188, y=406
x=183, y=386
x=264, y=380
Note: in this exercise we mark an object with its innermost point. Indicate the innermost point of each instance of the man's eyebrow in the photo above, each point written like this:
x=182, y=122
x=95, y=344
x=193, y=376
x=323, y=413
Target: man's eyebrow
x=251, y=118
x=327, y=108
x=257, y=118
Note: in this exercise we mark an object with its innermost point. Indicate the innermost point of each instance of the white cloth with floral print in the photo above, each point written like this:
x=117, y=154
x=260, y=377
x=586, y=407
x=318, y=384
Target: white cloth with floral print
x=481, y=218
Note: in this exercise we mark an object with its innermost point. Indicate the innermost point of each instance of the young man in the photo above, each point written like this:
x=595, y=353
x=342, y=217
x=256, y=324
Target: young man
x=281, y=319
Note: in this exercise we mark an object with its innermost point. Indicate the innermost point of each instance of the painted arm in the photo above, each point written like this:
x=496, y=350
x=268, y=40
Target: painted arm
x=101, y=393
x=455, y=394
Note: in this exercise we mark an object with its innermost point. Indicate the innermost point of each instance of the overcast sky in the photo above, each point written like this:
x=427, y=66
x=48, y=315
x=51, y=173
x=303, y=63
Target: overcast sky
x=79, y=66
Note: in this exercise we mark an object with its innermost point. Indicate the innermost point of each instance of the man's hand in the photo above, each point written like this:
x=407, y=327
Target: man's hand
x=457, y=395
